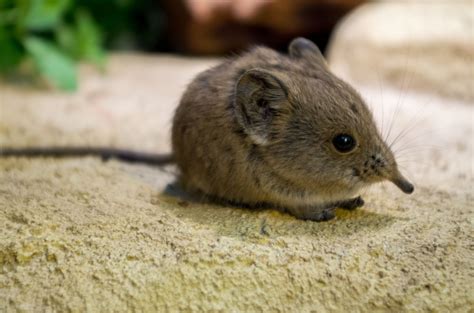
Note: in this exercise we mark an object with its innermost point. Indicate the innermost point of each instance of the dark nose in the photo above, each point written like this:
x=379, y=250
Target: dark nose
x=402, y=183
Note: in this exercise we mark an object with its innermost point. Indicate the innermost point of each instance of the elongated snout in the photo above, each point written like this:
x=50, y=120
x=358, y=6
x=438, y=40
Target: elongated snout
x=402, y=183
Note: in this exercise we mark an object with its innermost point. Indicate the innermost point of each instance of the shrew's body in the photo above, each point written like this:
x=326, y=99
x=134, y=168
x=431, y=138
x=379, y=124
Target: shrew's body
x=266, y=128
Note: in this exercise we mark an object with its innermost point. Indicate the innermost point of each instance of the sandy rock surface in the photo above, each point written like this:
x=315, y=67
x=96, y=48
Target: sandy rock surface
x=427, y=45
x=85, y=235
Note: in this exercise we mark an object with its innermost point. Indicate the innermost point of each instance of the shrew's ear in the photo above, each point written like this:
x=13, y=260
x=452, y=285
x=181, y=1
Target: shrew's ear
x=259, y=97
x=303, y=48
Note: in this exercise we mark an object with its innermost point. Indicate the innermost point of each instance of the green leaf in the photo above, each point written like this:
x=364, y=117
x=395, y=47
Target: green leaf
x=66, y=38
x=44, y=14
x=8, y=15
x=83, y=40
x=52, y=63
x=89, y=39
x=11, y=52
x=7, y=4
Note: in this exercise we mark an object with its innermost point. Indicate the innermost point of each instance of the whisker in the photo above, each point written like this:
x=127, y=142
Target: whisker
x=408, y=153
x=381, y=103
x=415, y=141
x=401, y=98
x=411, y=125
x=416, y=119
x=406, y=142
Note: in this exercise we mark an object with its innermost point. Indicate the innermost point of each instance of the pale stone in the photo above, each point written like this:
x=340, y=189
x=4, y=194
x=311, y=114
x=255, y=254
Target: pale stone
x=82, y=235
x=420, y=45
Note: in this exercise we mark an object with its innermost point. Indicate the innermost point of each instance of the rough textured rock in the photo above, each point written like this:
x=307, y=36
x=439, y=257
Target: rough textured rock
x=421, y=45
x=82, y=235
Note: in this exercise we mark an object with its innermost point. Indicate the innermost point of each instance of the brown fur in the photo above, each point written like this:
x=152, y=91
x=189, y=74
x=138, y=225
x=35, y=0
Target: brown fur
x=258, y=129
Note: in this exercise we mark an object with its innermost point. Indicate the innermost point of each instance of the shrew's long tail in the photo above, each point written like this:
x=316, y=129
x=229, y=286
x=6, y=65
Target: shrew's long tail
x=103, y=153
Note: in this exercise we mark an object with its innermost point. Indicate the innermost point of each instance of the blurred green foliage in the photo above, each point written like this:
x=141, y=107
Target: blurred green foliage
x=54, y=35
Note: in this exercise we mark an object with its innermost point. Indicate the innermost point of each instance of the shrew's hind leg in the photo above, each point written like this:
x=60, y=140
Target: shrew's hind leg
x=317, y=214
x=325, y=213
x=350, y=204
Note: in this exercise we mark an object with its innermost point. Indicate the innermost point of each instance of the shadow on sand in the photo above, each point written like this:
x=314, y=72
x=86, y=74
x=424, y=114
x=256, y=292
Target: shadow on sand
x=237, y=221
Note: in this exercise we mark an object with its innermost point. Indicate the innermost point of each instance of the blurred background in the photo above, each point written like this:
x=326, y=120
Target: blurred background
x=110, y=73
x=48, y=37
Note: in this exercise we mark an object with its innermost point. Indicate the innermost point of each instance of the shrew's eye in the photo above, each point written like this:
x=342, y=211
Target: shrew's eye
x=344, y=143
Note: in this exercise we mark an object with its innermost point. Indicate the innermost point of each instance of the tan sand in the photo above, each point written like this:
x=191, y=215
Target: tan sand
x=83, y=235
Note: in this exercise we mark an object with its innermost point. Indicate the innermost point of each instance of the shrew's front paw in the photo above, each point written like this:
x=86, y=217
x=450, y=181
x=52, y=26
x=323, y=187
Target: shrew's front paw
x=351, y=204
x=313, y=213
